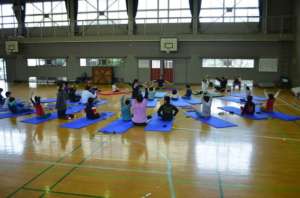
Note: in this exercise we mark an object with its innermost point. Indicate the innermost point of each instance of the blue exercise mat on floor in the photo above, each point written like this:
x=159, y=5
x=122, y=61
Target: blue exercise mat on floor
x=237, y=100
x=151, y=103
x=180, y=103
x=84, y=122
x=282, y=116
x=212, y=121
x=36, y=120
x=192, y=101
x=3, y=109
x=75, y=109
x=237, y=111
x=48, y=100
x=160, y=94
x=243, y=95
x=157, y=124
x=117, y=127
x=13, y=115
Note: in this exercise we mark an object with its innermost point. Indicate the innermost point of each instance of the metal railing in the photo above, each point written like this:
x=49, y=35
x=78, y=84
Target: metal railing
x=160, y=26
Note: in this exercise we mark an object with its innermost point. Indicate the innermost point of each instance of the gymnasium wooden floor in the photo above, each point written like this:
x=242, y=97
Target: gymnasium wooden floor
x=256, y=159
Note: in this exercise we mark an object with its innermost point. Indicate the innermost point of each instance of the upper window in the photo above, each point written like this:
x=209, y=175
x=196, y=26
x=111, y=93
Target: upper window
x=228, y=63
x=102, y=12
x=36, y=62
x=163, y=11
x=7, y=16
x=229, y=11
x=46, y=14
x=84, y=62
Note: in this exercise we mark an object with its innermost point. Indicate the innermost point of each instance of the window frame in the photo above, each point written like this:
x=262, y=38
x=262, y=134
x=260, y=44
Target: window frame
x=234, y=18
x=158, y=10
x=102, y=16
x=43, y=16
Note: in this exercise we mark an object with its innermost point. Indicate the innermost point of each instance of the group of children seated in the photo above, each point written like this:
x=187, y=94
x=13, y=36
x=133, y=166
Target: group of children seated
x=135, y=108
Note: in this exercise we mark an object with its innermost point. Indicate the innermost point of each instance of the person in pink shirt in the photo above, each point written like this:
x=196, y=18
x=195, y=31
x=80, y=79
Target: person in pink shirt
x=139, y=109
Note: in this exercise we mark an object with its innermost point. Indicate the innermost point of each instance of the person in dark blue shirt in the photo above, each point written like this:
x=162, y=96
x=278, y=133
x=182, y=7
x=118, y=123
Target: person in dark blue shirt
x=188, y=92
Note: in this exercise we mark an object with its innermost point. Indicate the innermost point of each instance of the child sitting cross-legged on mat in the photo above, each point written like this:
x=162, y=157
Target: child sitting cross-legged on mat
x=39, y=110
x=167, y=111
x=90, y=110
x=249, y=107
x=86, y=94
x=174, y=95
x=151, y=94
x=125, y=109
x=204, y=110
x=188, y=92
x=139, y=109
x=269, y=104
x=15, y=107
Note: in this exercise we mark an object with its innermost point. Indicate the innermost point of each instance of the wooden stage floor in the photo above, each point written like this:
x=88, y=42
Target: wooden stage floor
x=255, y=159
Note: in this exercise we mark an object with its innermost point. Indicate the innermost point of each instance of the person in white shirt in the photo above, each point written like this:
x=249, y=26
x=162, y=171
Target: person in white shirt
x=204, y=110
x=115, y=88
x=248, y=91
x=86, y=94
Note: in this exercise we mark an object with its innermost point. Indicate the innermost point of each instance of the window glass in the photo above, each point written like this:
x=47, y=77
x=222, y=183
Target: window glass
x=228, y=63
x=229, y=11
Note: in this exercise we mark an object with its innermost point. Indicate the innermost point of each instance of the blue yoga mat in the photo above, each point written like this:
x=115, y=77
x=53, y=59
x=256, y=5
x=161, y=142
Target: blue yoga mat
x=243, y=95
x=84, y=122
x=282, y=116
x=192, y=101
x=3, y=109
x=117, y=127
x=237, y=111
x=36, y=120
x=160, y=94
x=212, y=121
x=237, y=100
x=13, y=115
x=180, y=103
x=75, y=109
x=151, y=103
x=157, y=124
x=48, y=100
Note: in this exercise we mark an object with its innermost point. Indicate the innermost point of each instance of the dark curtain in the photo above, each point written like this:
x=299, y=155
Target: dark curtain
x=199, y=7
x=192, y=7
x=135, y=4
x=261, y=8
x=69, y=5
x=19, y=8
x=72, y=11
x=196, y=15
x=135, y=7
